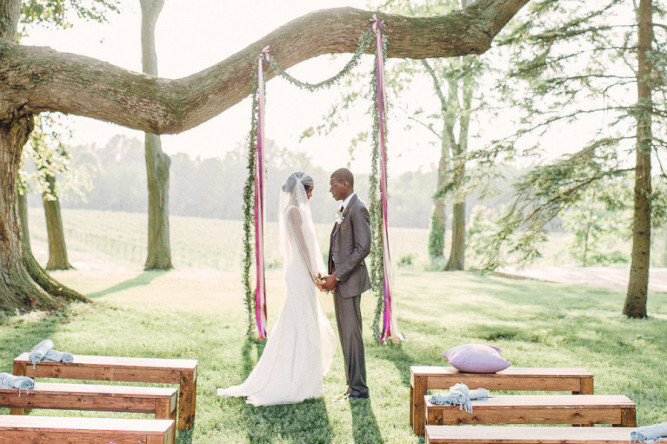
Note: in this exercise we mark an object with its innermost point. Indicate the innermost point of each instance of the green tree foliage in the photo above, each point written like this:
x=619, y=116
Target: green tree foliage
x=59, y=13
x=46, y=155
x=599, y=222
x=568, y=60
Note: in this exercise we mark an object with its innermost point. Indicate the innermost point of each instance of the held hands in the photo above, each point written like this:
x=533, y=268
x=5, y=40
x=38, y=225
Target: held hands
x=319, y=282
x=327, y=284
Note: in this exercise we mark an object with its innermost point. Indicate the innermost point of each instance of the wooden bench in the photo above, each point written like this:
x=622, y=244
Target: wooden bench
x=526, y=435
x=43, y=429
x=617, y=410
x=103, y=398
x=110, y=368
x=424, y=378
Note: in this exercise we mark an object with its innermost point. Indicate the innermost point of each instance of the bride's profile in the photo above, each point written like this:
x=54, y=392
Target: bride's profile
x=300, y=347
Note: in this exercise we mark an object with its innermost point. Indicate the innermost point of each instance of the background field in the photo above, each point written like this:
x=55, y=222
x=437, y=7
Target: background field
x=196, y=312
x=216, y=244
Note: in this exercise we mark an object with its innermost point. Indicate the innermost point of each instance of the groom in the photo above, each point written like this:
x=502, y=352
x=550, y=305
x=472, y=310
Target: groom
x=348, y=277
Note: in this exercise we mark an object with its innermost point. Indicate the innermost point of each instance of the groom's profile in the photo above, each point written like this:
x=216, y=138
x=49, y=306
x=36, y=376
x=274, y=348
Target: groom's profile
x=348, y=277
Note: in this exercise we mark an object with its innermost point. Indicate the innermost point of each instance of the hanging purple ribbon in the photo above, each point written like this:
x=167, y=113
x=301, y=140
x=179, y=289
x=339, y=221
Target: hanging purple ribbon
x=389, y=327
x=260, y=289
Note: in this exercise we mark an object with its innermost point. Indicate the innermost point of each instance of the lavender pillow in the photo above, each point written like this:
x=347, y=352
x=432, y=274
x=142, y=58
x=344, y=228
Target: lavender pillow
x=476, y=358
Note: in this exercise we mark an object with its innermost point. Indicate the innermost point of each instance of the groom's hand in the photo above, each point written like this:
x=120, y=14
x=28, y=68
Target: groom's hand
x=330, y=283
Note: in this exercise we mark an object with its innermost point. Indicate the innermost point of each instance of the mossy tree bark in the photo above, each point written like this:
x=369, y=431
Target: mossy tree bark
x=36, y=79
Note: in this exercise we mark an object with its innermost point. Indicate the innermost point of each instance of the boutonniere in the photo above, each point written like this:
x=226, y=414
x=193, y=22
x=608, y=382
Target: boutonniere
x=339, y=217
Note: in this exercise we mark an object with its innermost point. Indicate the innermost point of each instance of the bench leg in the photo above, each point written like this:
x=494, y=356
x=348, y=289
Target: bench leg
x=19, y=369
x=187, y=398
x=586, y=387
x=628, y=417
x=418, y=407
x=163, y=411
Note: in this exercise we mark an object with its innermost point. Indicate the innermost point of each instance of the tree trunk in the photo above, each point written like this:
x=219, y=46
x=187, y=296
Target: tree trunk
x=23, y=283
x=458, y=252
x=456, y=260
x=437, y=235
x=157, y=162
x=54, y=229
x=36, y=272
x=635, y=301
x=17, y=288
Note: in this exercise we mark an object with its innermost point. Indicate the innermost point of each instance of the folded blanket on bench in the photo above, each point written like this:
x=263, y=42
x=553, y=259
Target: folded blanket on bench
x=460, y=395
x=58, y=356
x=650, y=434
x=16, y=382
x=44, y=350
x=39, y=351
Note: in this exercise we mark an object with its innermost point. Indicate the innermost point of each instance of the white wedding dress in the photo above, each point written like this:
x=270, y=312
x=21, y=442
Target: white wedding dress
x=301, y=345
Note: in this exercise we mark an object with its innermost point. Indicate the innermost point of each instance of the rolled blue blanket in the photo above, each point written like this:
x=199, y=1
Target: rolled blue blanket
x=58, y=356
x=460, y=395
x=16, y=382
x=39, y=351
x=650, y=434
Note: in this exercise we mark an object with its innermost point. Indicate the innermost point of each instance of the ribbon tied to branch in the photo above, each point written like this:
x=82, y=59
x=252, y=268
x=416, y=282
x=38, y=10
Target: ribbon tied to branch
x=260, y=288
x=389, y=325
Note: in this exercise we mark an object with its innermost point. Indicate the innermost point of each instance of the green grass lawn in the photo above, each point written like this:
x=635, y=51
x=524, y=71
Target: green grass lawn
x=197, y=313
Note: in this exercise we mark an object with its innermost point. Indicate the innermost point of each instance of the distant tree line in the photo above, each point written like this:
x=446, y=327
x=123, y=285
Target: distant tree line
x=212, y=187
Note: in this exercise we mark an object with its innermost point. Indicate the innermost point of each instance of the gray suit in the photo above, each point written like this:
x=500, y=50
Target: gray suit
x=350, y=243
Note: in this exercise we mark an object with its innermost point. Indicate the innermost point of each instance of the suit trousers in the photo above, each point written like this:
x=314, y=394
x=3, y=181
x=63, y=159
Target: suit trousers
x=348, y=317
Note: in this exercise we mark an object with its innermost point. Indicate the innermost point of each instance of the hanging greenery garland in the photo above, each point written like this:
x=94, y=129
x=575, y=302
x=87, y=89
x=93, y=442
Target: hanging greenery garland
x=248, y=209
x=377, y=260
x=364, y=42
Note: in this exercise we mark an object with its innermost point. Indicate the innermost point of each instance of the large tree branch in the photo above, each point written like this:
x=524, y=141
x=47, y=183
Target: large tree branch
x=36, y=79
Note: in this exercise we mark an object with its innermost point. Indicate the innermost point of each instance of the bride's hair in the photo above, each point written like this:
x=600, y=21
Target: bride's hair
x=305, y=179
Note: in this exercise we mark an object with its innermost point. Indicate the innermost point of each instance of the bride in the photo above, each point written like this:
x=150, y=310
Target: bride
x=300, y=347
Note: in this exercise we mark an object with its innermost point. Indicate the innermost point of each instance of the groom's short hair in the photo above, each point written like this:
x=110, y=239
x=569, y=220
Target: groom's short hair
x=343, y=175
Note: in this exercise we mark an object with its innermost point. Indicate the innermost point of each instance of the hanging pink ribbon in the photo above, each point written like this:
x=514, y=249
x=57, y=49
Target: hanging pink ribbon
x=389, y=326
x=260, y=289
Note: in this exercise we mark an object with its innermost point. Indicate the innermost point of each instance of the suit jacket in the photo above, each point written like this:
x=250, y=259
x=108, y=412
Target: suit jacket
x=350, y=243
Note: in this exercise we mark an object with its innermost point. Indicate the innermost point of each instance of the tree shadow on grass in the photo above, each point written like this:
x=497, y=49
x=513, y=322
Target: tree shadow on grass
x=145, y=278
x=365, y=428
